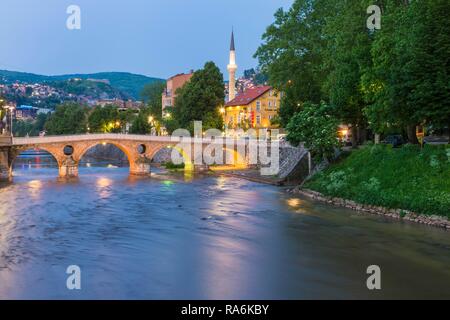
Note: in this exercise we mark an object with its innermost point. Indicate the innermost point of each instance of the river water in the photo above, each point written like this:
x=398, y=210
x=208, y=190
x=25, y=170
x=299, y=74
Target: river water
x=176, y=236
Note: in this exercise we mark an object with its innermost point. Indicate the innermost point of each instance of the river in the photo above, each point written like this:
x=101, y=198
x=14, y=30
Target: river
x=176, y=236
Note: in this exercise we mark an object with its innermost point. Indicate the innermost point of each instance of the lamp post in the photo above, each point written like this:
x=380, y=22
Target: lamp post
x=11, y=109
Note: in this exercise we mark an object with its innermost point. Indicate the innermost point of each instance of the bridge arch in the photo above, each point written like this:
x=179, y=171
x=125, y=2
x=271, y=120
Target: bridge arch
x=138, y=162
x=79, y=153
x=17, y=151
x=186, y=157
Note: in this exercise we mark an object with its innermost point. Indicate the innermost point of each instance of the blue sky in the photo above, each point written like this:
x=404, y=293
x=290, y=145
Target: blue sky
x=153, y=37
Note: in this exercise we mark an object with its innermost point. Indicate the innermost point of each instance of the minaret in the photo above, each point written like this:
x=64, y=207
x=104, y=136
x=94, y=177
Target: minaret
x=232, y=67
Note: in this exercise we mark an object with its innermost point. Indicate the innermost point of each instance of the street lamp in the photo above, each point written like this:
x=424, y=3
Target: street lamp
x=11, y=109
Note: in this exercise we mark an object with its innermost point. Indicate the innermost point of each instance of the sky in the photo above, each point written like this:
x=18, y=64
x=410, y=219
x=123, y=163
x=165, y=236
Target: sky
x=156, y=38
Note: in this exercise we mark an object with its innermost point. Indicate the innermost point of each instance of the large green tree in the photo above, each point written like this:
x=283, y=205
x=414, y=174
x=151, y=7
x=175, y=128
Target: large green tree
x=141, y=123
x=409, y=82
x=104, y=119
x=68, y=118
x=346, y=57
x=152, y=96
x=291, y=54
x=200, y=99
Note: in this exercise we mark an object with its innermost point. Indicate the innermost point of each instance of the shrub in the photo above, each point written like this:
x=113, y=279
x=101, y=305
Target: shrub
x=172, y=166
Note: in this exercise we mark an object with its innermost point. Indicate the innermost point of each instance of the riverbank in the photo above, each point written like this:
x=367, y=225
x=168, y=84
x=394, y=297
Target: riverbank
x=253, y=175
x=408, y=183
x=398, y=214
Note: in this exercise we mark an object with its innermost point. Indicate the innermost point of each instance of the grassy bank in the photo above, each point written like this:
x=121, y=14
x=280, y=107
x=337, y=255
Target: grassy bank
x=405, y=178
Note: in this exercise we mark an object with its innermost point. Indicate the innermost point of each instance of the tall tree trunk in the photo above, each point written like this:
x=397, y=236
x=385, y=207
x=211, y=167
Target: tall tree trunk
x=362, y=135
x=354, y=136
x=411, y=132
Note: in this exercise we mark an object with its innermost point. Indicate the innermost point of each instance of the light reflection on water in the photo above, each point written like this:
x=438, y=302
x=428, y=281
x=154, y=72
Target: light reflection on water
x=173, y=236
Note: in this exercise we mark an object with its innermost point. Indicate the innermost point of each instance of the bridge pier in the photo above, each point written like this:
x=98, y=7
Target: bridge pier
x=201, y=168
x=140, y=170
x=140, y=167
x=68, y=168
x=5, y=168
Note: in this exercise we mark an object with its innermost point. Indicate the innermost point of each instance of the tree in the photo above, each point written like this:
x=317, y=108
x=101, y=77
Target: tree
x=152, y=96
x=105, y=119
x=316, y=128
x=29, y=127
x=141, y=124
x=291, y=54
x=200, y=98
x=346, y=57
x=69, y=118
x=409, y=83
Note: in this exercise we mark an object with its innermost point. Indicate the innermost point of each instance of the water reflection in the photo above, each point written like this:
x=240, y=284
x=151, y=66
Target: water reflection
x=35, y=187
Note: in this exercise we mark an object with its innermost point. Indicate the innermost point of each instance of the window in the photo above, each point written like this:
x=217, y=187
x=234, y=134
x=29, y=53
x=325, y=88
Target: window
x=258, y=106
x=258, y=119
x=270, y=104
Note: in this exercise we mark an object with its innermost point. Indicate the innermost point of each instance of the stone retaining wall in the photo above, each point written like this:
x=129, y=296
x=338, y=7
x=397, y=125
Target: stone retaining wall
x=399, y=214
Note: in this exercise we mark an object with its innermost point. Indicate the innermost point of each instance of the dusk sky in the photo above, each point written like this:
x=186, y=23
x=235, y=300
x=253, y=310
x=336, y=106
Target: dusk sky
x=157, y=38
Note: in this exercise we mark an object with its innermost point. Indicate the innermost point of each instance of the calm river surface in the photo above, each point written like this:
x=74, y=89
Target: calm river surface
x=179, y=237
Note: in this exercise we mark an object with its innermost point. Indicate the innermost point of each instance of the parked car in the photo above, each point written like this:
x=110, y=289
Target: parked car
x=394, y=140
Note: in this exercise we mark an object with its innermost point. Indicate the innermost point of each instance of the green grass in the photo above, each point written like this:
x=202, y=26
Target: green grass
x=406, y=178
x=172, y=166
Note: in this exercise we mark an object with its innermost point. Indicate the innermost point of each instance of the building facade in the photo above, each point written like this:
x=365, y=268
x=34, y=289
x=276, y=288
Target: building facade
x=255, y=108
x=173, y=84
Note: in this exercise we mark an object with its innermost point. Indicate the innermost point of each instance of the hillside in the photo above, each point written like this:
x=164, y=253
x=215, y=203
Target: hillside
x=407, y=178
x=96, y=90
x=128, y=83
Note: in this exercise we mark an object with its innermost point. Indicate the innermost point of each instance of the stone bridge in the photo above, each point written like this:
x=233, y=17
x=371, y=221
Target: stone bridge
x=139, y=149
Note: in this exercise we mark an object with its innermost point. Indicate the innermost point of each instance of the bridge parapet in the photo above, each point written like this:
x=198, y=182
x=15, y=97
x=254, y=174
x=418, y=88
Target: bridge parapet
x=5, y=141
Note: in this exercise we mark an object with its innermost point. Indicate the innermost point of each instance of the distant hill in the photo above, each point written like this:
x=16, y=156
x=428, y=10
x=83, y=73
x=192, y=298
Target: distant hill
x=128, y=83
x=96, y=90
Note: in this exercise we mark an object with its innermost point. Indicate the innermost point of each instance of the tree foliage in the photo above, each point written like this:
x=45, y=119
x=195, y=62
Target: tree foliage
x=321, y=50
x=291, y=54
x=104, y=119
x=152, y=96
x=68, y=118
x=23, y=128
x=316, y=128
x=143, y=122
x=200, y=99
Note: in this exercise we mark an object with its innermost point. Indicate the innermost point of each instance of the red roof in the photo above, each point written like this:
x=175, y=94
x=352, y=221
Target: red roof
x=248, y=96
